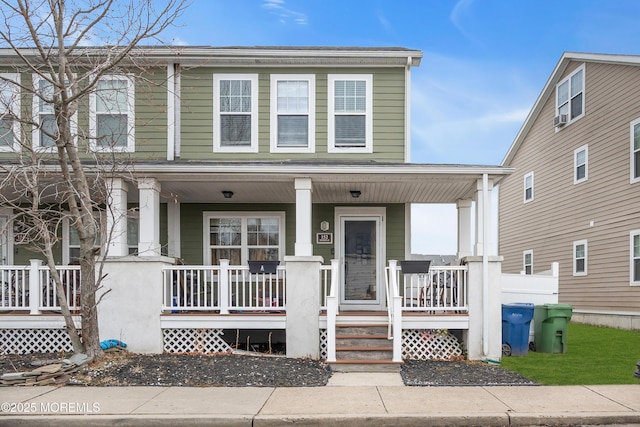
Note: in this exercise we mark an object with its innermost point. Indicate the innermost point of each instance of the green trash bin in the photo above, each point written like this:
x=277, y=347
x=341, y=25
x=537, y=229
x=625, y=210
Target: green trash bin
x=550, y=327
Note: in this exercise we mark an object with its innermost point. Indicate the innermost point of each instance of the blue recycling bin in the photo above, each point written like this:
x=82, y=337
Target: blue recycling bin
x=516, y=320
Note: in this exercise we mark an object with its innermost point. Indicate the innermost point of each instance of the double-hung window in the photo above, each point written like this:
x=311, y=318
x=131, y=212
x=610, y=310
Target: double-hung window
x=570, y=96
x=527, y=262
x=580, y=258
x=580, y=164
x=111, y=117
x=350, y=111
x=635, y=257
x=528, y=187
x=45, y=131
x=71, y=241
x=635, y=151
x=235, y=113
x=243, y=236
x=9, y=111
x=293, y=113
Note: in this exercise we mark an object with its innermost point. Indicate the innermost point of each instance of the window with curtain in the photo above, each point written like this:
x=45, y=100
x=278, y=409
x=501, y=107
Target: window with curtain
x=112, y=114
x=9, y=111
x=570, y=95
x=350, y=113
x=580, y=158
x=292, y=113
x=235, y=112
x=241, y=237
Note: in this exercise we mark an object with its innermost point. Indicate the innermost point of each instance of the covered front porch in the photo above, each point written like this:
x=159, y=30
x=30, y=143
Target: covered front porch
x=184, y=276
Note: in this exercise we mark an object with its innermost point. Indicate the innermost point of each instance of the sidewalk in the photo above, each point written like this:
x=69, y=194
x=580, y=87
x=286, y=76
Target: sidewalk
x=351, y=399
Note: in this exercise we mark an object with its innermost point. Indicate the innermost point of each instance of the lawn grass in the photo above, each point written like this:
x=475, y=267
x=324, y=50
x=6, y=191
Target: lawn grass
x=595, y=355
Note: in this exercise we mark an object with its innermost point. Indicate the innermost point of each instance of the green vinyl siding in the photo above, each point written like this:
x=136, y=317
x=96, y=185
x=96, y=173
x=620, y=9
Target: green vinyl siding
x=197, y=114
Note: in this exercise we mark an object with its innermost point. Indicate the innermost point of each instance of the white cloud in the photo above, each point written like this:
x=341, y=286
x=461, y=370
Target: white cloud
x=285, y=15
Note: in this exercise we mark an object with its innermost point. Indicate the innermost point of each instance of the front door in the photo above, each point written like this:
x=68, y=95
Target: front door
x=361, y=261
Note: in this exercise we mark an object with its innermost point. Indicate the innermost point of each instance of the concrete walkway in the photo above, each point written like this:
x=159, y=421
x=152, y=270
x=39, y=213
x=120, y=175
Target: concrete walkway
x=349, y=399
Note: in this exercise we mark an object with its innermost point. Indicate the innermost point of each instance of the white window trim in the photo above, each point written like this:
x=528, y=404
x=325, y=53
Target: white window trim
x=130, y=148
x=584, y=89
x=632, y=151
x=311, y=143
x=15, y=107
x=524, y=188
x=66, y=237
x=631, y=235
x=575, y=259
x=524, y=259
x=244, y=256
x=36, y=121
x=331, y=143
x=7, y=240
x=217, y=145
x=584, y=148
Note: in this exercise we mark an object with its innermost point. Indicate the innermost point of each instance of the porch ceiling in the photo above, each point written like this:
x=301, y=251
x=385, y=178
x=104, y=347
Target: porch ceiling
x=260, y=183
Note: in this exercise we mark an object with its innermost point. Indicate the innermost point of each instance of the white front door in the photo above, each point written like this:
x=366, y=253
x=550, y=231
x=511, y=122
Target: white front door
x=360, y=245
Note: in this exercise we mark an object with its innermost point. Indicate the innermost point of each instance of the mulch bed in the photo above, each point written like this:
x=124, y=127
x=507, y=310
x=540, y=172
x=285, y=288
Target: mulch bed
x=226, y=370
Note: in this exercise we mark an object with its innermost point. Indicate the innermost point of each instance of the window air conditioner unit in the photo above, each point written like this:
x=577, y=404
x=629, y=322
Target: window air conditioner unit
x=560, y=120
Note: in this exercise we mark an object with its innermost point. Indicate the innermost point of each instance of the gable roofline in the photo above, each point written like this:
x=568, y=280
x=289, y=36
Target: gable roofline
x=549, y=89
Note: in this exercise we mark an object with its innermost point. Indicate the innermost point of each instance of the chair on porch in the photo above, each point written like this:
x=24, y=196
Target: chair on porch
x=415, y=288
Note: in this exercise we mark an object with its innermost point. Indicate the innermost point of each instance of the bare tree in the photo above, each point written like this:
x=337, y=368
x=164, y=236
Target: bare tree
x=58, y=172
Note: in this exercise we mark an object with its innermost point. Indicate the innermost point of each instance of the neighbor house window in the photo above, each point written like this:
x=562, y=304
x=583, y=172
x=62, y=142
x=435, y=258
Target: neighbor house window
x=111, y=117
x=9, y=111
x=293, y=113
x=580, y=258
x=350, y=113
x=528, y=187
x=635, y=151
x=570, y=96
x=580, y=160
x=635, y=257
x=527, y=262
x=241, y=237
x=46, y=129
x=235, y=113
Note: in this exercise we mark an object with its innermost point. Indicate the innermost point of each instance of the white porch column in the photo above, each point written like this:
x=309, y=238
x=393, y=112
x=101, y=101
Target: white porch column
x=149, y=229
x=464, y=228
x=303, y=306
x=173, y=229
x=484, y=243
x=303, y=246
x=117, y=190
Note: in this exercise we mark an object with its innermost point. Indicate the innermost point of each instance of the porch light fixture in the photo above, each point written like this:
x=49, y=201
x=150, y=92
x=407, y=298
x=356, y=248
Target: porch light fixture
x=227, y=194
x=355, y=193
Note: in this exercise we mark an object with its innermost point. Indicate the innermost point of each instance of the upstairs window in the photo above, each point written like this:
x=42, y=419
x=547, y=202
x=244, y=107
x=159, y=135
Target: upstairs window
x=528, y=187
x=293, y=113
x=580, y=160
x=111, y=118
x=580, y=258
x=635, y=257
x=527, y=262
x=635, y=151
x=570, y=96
x=235, y=113
x=9, y=112
x=45, y=130
x=350, y=114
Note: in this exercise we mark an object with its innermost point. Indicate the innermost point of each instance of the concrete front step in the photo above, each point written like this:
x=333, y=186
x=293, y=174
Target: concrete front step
x=362, y=340
x=351, y=365
x=360, y=330
x=364, y=353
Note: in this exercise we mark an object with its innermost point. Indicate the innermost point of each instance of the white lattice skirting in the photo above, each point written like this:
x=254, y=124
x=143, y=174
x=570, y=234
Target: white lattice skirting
x=201, y=340
x=24, y=341
x=323, y=344
x=429, y=344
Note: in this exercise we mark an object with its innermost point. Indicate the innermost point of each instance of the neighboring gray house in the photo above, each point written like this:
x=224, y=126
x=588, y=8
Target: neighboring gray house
x=575, y=195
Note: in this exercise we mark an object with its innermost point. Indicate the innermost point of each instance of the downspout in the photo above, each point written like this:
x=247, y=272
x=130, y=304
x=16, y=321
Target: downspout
x=407, y=111
x=485, y=266
x=171, y=122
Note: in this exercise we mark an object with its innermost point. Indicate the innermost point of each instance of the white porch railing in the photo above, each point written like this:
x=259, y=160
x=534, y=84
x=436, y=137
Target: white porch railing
x=14, y=287
x=443, y=289
x=70, y=277
x=332, y=304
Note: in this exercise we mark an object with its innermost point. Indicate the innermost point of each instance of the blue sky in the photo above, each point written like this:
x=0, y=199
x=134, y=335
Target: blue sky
x=485, y=62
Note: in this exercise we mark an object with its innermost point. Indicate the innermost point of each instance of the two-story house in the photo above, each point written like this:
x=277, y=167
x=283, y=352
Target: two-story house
x=255, y=167
x=575, y=195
